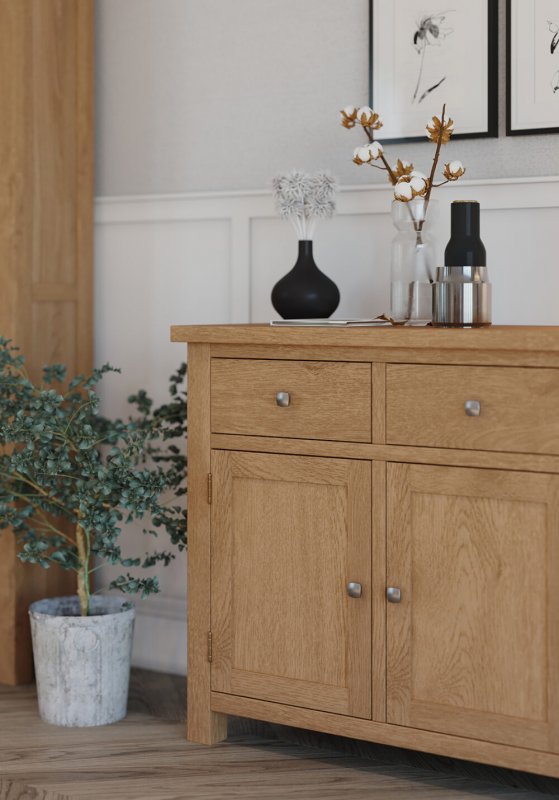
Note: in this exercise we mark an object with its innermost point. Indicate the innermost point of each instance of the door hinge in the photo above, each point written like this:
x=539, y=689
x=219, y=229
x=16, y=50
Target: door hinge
x=210, y=646
x=210, y=488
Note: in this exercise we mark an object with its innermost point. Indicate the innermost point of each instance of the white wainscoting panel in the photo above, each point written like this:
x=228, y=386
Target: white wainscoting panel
x=213, y=258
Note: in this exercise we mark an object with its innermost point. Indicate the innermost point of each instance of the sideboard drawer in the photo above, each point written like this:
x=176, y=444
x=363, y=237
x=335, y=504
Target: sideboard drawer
x=293, y=399
x=474, y=408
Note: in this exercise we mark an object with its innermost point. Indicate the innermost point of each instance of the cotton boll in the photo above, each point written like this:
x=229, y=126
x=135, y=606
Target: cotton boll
x=375, y=150
x=418, y=186
x=361, y=155
x=403, y=191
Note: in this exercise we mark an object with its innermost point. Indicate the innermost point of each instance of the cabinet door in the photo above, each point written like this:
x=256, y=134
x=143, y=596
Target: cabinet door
x=473, y=646
x=288, y=534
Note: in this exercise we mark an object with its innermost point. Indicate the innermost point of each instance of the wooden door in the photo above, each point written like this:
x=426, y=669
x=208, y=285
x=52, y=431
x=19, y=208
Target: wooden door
x=473, y=646
x=46, y=239
x=287, y=535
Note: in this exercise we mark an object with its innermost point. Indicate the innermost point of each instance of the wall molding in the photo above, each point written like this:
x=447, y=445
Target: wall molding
x=213, y=257
x=494, y=193
x=241, y=210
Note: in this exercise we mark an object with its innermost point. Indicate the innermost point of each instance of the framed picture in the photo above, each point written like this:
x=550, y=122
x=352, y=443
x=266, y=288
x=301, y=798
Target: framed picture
x=532, y=66
x=422, y=56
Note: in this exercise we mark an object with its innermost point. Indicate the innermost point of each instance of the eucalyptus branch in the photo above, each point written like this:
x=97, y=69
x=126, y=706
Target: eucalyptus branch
x=19, y=477
x=55, y=467
x=49, y=526
x=85, y=405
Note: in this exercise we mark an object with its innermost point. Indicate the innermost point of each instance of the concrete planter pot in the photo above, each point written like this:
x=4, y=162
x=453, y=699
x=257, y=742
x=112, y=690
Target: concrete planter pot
x=82, y=664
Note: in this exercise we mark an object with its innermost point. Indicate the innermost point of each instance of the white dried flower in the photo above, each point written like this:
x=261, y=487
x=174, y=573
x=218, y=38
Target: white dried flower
x=295, y=185
x=303, y=198
x=454, y=170
x=289, y=207
x=403, y=191
x=368, y=118
x=367, y=153
x=419, y=185
x=410, y=186
x=375, y=149
x=318, y=207
x=361, y=155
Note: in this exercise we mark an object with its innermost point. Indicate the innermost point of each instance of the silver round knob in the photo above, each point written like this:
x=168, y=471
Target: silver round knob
x=472, y=408
x=394, y=594
x=283, y=399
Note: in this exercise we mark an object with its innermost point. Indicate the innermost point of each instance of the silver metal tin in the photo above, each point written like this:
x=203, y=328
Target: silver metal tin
x=461, y=297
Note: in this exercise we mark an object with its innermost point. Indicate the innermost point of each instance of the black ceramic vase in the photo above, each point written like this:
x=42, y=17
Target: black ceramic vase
x=305, y=292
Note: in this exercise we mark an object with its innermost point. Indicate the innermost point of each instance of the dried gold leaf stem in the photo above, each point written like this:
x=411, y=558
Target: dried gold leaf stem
x=387, y=167
x=393, y=180
x=435, y=160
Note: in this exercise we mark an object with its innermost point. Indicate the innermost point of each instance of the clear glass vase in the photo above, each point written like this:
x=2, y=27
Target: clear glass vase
x=413, y=261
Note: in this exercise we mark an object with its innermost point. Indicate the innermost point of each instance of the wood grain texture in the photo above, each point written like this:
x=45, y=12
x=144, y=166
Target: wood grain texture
x=328, y=400
x=425, y=407
x=288, y=533
x=203, y=726
x=470, y=648
x=485, y=752
x=379, y=403
x=379, y=353
x=146, y=756
x=46, y=201
x=418, y=455
x=10, y=790
x=511, y=338
x=378, y=583
x=467, y=664
x=84, y=182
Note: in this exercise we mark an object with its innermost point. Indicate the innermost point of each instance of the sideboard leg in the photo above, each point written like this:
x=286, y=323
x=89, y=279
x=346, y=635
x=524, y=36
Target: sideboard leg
x=203, y=725
x=206, y=727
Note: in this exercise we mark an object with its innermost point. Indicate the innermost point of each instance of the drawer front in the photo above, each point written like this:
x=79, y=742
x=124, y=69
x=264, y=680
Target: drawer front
x=518, y=408
x=321, y=399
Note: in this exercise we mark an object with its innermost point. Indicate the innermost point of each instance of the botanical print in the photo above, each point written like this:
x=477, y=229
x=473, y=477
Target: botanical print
x=534, y=66
x=554, y=29
x=431, y=32
x=422, y=57
x=545, y=21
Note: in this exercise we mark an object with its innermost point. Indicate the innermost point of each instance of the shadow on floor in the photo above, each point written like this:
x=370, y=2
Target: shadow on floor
x=164, y=696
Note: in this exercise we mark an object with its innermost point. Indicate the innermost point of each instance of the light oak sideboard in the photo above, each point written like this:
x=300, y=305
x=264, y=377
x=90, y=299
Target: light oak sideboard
x=374, y=536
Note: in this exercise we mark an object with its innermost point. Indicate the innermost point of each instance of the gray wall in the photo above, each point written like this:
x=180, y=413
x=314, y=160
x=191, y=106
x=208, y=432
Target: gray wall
x=201, y=95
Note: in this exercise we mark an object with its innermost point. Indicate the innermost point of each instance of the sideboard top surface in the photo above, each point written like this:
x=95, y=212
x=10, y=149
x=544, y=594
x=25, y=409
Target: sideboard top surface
x=512, y=338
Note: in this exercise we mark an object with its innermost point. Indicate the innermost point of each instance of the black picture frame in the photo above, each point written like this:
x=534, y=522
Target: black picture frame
x=492, y=77
x=509, y=45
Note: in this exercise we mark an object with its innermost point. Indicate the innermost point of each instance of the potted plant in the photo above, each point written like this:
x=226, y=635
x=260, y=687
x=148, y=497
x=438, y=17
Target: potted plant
x=69, y=480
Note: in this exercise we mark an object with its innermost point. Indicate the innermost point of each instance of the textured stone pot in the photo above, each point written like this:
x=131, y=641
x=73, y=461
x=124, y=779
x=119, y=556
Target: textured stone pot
x=82, y=664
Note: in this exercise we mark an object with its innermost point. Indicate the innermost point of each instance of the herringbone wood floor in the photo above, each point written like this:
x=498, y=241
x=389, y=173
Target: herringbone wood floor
x=146, y=757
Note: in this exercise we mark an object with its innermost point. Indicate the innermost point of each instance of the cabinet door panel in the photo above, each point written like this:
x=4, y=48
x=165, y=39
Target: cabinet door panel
x=473, y=645
x=288, y=533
